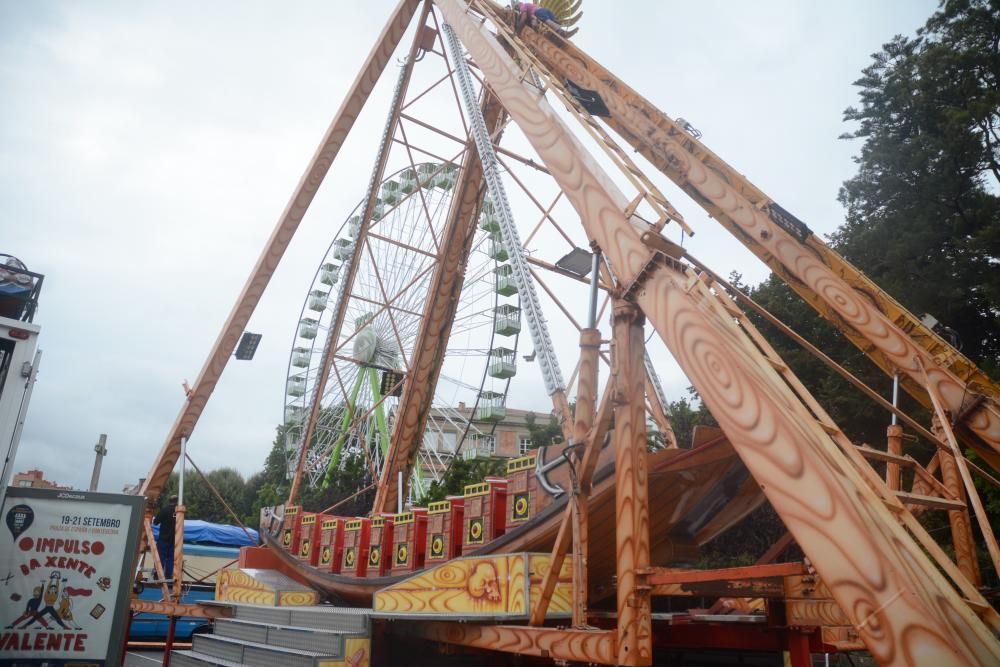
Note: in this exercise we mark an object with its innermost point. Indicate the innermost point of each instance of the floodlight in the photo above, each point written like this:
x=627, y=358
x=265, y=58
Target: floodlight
x=248, y=346
x=578, y=262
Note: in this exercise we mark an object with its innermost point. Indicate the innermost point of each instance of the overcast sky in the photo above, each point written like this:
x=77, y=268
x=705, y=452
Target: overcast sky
x=146, y=150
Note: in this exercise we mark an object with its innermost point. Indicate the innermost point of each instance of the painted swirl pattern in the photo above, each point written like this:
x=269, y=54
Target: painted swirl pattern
x=585, y=184
x=903, y=608
x=574, y=645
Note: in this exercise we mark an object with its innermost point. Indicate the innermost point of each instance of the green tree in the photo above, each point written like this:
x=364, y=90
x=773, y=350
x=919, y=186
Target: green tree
x=922, y=213
x=201, y=503
x=271, y=485
x=461, y=472
x=686, y=414
x=923, y=217
x=543, y=435
x=340, y=484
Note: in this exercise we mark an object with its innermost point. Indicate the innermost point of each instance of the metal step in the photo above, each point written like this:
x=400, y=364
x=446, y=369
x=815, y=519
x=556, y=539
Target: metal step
x=217, y=647
x=326, y=642
x=195, y=659
x=323, y=617
x=255, y=654
x=247, y=631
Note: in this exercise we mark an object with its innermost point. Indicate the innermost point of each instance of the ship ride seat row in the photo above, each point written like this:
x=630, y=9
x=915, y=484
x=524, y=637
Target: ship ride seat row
x=398, y=544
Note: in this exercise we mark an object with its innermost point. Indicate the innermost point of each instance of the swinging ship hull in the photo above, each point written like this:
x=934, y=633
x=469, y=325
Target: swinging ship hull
x=694, y=496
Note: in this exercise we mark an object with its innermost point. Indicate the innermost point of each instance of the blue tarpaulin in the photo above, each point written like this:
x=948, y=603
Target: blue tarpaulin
x=203, y=532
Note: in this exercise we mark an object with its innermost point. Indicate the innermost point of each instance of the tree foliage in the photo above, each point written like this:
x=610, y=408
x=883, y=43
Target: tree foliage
x=922, y=212
x=543, y=435
x=199, y=500
x=685, y=415
x=461, y=472
x=923, y=217
x=270, y=487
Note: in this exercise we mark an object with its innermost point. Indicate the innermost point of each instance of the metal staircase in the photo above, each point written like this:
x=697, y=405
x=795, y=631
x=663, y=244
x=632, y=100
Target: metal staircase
x=286, y=636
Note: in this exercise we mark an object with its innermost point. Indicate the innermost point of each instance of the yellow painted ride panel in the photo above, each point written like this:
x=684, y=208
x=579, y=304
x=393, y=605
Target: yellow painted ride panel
x=264, y=587
x=496, y=586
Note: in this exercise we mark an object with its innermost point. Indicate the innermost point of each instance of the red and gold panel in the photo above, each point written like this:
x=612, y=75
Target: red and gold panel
x=380, y=546
x=309, y=527
x=409, y=540
x=357, y=533
x=484, y=513
x=444, y=529
x=291, y=529
x=331, y=544
x=523, y=498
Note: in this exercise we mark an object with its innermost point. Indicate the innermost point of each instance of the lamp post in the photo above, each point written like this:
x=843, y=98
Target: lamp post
x=101, y=451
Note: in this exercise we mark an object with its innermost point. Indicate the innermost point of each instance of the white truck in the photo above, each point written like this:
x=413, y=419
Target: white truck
x=19, y=355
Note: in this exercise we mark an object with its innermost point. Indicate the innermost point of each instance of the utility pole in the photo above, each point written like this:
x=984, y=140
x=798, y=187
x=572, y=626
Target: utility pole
x=102, y=451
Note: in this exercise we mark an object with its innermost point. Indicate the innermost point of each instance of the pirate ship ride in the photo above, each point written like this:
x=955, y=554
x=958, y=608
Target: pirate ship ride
x=614, y=520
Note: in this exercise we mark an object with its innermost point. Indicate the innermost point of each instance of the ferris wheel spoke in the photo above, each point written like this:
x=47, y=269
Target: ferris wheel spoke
x=382, y=307
x=485, y=314
x=345, y=376
x=389, y=311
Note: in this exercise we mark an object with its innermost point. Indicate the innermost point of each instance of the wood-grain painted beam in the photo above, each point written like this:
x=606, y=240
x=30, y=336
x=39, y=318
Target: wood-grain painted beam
x=587, y=646
x=906, y=612
x=635, y=637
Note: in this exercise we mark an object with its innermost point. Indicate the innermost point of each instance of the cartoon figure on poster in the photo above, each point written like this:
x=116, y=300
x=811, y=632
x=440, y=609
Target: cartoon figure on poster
x=66, y=610
x=52, y=597
x=58, y=601
x=31, y=614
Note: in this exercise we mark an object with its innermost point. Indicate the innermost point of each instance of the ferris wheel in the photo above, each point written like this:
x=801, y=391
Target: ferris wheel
x=393, y=302
x=367, y=321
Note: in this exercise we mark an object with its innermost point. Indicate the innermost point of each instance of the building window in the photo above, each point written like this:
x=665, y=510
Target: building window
x=524, y=446
x=24, y=483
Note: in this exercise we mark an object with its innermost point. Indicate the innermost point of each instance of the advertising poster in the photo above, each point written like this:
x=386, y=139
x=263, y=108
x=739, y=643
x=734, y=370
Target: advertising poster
x=66, y=561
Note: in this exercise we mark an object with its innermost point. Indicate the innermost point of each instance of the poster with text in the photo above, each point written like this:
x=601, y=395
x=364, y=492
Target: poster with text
x=65, y=566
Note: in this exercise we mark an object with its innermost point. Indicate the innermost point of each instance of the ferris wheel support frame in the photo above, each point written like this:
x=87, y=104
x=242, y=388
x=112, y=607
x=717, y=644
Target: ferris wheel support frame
x=350, y=415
